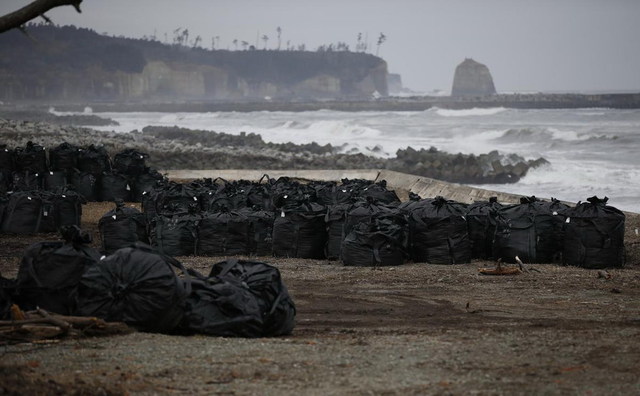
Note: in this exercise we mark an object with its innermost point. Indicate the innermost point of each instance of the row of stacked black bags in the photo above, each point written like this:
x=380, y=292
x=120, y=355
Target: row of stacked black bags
x=363, y=224
x=150, y=291
x=89, y=171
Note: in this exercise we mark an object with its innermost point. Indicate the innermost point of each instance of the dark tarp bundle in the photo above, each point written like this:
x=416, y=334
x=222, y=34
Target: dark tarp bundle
x=377, y=243
x=481, y=225
x=261, y=239
x=26, y=181
x=7, y=291
x=94, y=160
x=67, y=207
x=300, y=231
x=136, y=285
x=265, y=282
x=31, y=158
x=223, y=233
x=130, y=162
x=380, y=193
x=50, y=272
x=6, y=159
x=531, y=230
x=439, y=232
x=223, y=307
x=29, y=212
x=114, y=186
x=176, y=235
x=335, y=222
x=144, y=183
x=594, y=235
x=122, y=227
x=85, y=184
x=63, y=157
x=54, y=180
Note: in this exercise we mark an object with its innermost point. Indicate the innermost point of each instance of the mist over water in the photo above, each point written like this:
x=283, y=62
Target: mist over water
x=592, y=151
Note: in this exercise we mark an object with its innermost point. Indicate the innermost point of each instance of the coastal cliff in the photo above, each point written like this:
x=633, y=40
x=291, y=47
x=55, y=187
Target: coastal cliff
x=70, y=64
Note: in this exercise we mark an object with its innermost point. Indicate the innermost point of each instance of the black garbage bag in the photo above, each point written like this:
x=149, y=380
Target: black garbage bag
x=265, y=282
x=259, y=194
x=379, y=192
x=136, y=285
x=261, y=226
x=63, y=157
x=54, y=180
x=130, y=162
x=223, y=307
x=31, y=158
x=114, y=186
x=364, y=210
x=86, y=184
x=223, y=233
x=5, y=182
x=67, y=206
x=439, y=233
x=26, y=181
x=300, y=231
x=176, y=235
x=330, y=193
x=94, y=159
x=335, y=223
x=29, y=212
x=481, y=226
x=122, y=227
x=7, y=291
x=413, y=201
x=377, y=243
x=49, y=272
x=531, y=230
x=170, y=199
x=144, y=183
x=594, y=235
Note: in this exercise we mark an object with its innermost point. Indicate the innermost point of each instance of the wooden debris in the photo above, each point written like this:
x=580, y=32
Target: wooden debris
x=500, y=270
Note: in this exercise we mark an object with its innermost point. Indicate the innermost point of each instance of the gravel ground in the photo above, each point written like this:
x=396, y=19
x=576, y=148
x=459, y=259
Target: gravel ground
x=411, y=329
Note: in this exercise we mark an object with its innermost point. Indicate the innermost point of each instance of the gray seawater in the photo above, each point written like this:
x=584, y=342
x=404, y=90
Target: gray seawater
x=591, y=151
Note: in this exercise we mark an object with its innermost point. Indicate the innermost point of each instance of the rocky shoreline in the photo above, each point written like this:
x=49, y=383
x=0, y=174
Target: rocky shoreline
x=179, y=148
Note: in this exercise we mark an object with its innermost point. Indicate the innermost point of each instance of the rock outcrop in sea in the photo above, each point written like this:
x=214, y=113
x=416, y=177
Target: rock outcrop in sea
x=472, y=79
x=179, y=148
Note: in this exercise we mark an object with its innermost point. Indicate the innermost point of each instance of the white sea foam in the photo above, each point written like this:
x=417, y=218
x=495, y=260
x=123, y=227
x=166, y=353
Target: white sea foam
x=476, y=111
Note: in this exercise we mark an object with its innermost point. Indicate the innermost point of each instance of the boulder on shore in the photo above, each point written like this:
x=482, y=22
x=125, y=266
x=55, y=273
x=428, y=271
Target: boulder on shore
x=472, y=79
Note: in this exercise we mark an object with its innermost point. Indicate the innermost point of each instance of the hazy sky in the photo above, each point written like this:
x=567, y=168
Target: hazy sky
x=532, y=45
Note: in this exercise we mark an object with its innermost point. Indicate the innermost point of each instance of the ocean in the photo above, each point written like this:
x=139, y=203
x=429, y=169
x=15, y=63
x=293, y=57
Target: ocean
x=591, y=151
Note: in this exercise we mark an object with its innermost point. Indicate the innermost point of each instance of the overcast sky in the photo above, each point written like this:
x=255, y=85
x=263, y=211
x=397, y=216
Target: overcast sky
x=528, y=45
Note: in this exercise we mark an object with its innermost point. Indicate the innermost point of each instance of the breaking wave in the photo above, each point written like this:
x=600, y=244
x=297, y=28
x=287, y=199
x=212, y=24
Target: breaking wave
x=470, y=112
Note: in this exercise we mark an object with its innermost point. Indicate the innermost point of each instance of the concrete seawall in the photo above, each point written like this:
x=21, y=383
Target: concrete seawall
x=423, y=186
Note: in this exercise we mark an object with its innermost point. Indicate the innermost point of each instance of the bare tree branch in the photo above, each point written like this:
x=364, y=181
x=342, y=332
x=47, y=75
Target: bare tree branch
x=32, y=11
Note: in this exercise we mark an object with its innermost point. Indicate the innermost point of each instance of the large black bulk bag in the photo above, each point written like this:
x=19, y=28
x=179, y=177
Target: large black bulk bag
x=63, y=157
x=380, y=193
x=223, y=307
x=85, y=184
x=330, y=193
x=122, y=227
x=144, y=183
x=6, y=159
x=114, y=186
x=94, y=160
x=363, y=211
x=481, y=226
x=414, y=200
x=67, y=207
x=29, y=212
x=594, y=235
x=176, y=235
x=335, y=222
x=259, y=194
x=439, y=233
x=136, y=285
x=49, y=272
x=223, y=234
x=31, y=158
x=531, y=230
x=7, y=291
x=300, y=232
x=5, y=182
x=130, y=162
x=54, y=180
x=170, y=199
x=265, y=282
x=377, y=243
x=26, y=181
x=261, y=237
